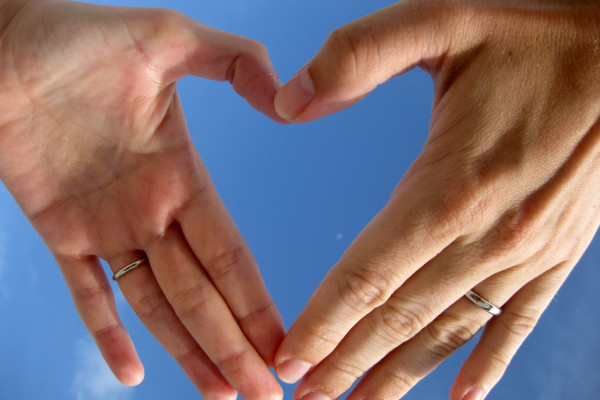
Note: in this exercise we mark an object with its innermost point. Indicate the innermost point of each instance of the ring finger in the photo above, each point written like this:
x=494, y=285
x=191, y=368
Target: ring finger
x=145, y=296
x=404, y=367
x=404, y=315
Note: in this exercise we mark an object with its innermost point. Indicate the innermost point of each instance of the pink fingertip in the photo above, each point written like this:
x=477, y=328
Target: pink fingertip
x=132, y=378
x=291, y=371
x=474, y=394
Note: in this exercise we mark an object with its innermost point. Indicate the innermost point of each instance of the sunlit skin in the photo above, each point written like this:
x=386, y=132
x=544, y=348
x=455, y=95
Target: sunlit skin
x=503, y=199
x=95, y=150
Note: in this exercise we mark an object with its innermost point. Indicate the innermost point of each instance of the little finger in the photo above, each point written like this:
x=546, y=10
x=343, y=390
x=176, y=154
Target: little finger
x=95, y=304
x=409, y=311
x=505, y=334
x=406, y=366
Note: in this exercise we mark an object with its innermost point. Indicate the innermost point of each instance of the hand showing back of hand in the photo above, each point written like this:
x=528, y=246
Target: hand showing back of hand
x=502, y=201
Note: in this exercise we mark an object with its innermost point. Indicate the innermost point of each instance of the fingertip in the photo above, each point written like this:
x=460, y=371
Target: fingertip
x=272, y=390
x=291, y=371
x=132, y=376
x=120, y=355
x=269, y=389
x=252, y=77
x=278, y=394
x=295, y=96
x=474, y=394
x=270, y=351
x=220, y=394
x=131, y=372
x=468, y=392
x=474, y=380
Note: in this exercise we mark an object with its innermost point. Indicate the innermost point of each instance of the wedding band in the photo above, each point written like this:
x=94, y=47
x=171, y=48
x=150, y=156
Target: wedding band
x=128, y=268
x=486, y=305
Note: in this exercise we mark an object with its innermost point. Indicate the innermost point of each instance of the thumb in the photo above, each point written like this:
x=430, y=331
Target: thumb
x=359, y=56
x=177, y=46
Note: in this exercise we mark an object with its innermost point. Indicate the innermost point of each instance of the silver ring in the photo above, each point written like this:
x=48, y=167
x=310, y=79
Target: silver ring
x=481, y=302
x=128, y=268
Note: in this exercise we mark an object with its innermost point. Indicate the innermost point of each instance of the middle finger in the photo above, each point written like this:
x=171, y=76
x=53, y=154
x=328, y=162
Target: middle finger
x=205, y=314
x=410, y=308
x=147, y=299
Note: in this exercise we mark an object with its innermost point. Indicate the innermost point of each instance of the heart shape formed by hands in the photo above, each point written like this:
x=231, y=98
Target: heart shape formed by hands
x=102, y=164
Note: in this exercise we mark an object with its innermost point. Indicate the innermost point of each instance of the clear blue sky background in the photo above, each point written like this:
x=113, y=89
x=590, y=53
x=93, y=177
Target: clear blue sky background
x=299, y=194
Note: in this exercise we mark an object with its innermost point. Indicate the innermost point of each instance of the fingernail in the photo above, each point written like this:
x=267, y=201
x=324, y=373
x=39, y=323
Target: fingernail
x=291, y=371
x=314, y=396
x=295, y=95
x=474, y=394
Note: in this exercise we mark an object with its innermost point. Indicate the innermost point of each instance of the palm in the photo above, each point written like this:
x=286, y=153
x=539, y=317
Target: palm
x=98, y=156
x=105, y=100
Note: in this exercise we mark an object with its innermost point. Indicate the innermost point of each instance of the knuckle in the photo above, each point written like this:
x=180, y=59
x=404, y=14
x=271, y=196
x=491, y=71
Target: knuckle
x=363, y=291
x=252, y=56
x=233, y=364
x=106, y=333
x=166, y=21
x=322, y=339
x=254, y=53
x=517, y=230
x=341, y=41
x=189, y=302
x=150, y=305
x=188, y=356
x=398, y=382
x=93, y=295
x=200, y=197
x=499, y=359
x=224, y=264
x=344, y=370
x=314, y=343
x=444, y=338
x=355, y=50
x=257, y=316
x=325, y=336
x=162, y=23
x=517, y=324
x=395, y=324
x=256, y=48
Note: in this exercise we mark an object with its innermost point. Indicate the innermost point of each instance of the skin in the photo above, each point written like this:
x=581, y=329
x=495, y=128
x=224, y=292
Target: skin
x=503, y=199
x=95, y=150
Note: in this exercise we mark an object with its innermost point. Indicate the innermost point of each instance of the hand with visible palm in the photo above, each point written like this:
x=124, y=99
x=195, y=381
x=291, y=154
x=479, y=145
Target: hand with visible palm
x=95, y=150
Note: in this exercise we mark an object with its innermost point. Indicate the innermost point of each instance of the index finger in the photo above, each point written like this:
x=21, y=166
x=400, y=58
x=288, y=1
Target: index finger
x=395, y=244
x=187, y=47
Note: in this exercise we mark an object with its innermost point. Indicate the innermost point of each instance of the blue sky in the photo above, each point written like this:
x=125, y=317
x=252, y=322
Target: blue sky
x=299, y=194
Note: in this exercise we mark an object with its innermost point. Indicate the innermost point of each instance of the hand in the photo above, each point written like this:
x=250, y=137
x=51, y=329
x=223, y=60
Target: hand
x=95, y=150
x=503, y=198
